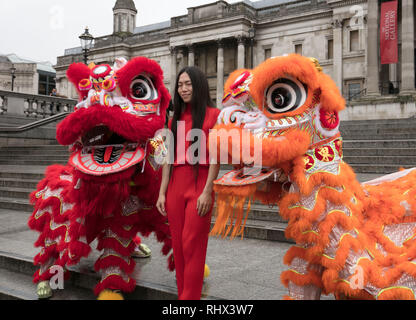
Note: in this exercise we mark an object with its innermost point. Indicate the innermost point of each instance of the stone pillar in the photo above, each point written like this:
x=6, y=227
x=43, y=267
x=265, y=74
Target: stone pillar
x=241, y=50
x=373, y=45
x=337, y=25
x=393, y=74
x=181, y=58
x=408, y=47
x=172, y=70
x=220, y=73
x=191, y=55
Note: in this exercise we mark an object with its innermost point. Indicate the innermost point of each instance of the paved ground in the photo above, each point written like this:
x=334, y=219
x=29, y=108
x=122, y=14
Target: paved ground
x=240, y=269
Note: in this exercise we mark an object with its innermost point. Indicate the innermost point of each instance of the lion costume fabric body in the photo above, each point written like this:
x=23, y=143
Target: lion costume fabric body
x=108, y=189
x=356, y=241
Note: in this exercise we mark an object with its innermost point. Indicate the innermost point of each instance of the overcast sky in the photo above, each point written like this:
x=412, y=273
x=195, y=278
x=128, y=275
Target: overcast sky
x=42, y=29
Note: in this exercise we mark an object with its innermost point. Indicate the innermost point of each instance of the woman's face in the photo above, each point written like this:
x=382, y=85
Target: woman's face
x=185, y=87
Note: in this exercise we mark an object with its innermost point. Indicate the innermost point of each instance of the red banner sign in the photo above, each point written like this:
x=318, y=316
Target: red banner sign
x=389, y=51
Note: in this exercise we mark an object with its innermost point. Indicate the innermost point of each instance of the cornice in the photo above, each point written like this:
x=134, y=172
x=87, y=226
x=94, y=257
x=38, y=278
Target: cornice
x=344, y=3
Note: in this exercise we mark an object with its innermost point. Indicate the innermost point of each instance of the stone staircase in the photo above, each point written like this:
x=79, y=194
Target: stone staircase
x=373, y=148
x=379, y=146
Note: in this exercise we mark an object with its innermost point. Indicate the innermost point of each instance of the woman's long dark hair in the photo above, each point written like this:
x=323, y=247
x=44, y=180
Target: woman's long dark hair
x=201, y=99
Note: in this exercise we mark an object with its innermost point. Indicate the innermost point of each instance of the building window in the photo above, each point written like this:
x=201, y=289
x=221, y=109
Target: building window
x=298, y=48
x=46, y=83
x=354, y=90
x=330, y=49
x=354, y=40
x=267, y=53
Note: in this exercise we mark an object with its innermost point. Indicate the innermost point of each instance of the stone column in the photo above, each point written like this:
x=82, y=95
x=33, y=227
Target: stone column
x=191, y=55
x=220, y=73
x=241, y=50
x=172, y=70
x=337, y=25
x=393, y=74
x=181, y=58
x=373, y=45
x=408, y=46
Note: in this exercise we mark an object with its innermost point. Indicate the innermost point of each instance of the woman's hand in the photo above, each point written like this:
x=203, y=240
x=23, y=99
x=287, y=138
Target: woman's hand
x=204, y=203
x=160, y=204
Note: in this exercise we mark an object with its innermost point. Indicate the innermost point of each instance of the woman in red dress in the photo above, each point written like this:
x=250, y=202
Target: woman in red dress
x=186, y=193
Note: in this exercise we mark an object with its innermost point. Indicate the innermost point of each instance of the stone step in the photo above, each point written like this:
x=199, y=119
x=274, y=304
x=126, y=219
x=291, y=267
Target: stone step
x=16, y=283
x=364, y=131
x=27, y=162
x=18, y=286
x=51, y=148
x=37, y=133
x=380, y=121
x=19, y=183
x=19, y=175
x=345, y=126
x=33, y=157
x=371, y=160
x=15, y=193
x=378, y=168
x=46, y=154
x=349, y=152
x=364, y=144
x=8, y=119
x=377, y=136
x=15, y=204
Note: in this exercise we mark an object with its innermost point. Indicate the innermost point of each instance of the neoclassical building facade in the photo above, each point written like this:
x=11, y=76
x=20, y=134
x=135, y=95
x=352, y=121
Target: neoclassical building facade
x=220, y=37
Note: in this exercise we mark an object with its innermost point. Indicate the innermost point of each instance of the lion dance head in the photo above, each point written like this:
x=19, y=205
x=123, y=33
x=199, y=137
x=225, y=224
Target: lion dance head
x=288, y=109
x=120, y=110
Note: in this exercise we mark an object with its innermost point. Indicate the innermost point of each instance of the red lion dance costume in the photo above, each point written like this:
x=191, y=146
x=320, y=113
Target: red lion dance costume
x=356, y=241
x=109, y=187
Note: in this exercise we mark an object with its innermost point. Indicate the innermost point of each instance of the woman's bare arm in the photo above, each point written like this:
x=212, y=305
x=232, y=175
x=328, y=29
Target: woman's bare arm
x=160, y=204
x=205, y=200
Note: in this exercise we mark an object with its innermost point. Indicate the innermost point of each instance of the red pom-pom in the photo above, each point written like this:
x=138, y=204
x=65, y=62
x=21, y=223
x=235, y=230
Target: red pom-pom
x=329, y=119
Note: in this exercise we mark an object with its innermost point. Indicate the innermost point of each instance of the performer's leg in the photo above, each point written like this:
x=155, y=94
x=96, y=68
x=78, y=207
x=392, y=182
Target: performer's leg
x=175, y=208
x=195, y=242
x=115, y=264
x=303, y=272
x=51, y=256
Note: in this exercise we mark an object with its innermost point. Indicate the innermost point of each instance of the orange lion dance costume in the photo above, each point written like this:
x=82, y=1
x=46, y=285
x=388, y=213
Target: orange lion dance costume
x=110, y=185
x=354, y=241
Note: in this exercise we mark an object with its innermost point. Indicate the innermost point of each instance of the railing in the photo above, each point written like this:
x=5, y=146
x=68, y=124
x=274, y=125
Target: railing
x=33, y=105
x=34, y=125
x=357, y=95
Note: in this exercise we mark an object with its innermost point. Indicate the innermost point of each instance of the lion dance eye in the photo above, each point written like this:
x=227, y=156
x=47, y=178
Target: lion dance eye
x=286, y=95
x=142, y=89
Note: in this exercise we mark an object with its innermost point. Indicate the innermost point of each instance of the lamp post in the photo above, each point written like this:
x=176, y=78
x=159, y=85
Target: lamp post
x=13, y=71
x=252, y=35
x=86, y=43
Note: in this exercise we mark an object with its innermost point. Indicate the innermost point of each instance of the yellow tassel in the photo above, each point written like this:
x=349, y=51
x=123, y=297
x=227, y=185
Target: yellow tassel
x=207, y=272
x=110, y=295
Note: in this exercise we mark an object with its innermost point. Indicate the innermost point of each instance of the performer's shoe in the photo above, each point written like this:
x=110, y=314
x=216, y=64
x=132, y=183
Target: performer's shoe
x=44, y=290
x=141, y=251
x=110, y=295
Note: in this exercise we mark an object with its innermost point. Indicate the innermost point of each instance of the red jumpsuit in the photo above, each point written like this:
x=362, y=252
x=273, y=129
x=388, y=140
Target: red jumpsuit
x=189, y=231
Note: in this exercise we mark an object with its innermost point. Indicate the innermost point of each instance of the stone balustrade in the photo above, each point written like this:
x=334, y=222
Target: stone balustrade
x=36, y=106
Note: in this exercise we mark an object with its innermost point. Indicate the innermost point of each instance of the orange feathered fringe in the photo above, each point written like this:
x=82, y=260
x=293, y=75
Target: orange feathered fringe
x=367, y=217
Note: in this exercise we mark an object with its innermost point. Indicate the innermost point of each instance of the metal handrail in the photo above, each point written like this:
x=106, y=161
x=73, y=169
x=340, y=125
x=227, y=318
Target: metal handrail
x=35, y=124
x=358, y=94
